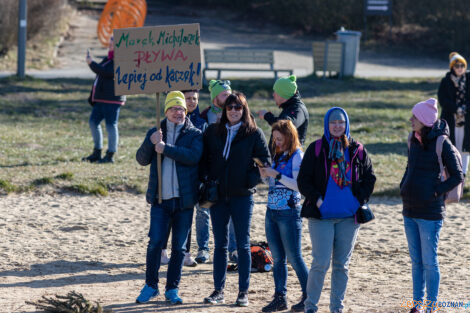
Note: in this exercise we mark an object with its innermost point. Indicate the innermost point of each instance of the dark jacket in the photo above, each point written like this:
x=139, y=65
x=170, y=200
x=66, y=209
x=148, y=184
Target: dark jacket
x=103, y=86
x=447, y=94
x=237, y=176
x=197, y=120
x=296, y=111
x=315, y=172
x=422, y=179
x=186, y=153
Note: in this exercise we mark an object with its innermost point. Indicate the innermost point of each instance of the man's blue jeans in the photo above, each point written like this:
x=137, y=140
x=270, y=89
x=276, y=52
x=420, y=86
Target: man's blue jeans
x=284, y=234
x=161, y=217
x=110, y=113
x=423, y=238
x=330, y=237
x=240, y=209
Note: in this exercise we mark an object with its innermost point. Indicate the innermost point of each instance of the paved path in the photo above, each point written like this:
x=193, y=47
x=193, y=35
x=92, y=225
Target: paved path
x=221, y=32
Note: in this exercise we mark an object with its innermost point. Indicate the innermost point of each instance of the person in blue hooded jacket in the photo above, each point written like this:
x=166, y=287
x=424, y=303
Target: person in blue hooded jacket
x=336, y=177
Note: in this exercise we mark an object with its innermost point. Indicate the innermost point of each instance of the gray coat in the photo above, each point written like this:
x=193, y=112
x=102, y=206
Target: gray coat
x=186, y=152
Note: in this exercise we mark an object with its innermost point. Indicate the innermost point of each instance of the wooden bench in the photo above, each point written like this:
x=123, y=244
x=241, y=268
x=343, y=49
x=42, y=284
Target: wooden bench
x=240, y=56
x=328, y=57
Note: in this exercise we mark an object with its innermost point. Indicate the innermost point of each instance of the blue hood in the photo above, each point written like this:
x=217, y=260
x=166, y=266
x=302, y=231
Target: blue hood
x=326, y=124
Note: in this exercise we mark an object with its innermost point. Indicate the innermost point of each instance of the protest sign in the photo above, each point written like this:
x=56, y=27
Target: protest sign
x=157, y=59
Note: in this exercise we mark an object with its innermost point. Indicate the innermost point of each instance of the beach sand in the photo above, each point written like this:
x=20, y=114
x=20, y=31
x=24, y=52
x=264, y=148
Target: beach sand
x=52, y=244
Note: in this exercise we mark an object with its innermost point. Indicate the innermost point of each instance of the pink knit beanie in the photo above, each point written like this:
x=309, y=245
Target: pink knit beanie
x=426, y=111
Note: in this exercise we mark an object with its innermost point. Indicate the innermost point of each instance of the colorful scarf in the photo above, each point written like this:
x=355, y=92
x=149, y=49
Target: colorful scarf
x=339, y=166
x=110, y=54
x=215, y=110
x=460, y=84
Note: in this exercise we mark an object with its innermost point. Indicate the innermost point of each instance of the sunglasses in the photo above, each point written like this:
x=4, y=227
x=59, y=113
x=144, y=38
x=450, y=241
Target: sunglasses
x=236, y=107
x=459, y=65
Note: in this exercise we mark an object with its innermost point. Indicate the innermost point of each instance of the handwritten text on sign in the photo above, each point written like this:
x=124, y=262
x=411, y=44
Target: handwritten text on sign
x=157, y=59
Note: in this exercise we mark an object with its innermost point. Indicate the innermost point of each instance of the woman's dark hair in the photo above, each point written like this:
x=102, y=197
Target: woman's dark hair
x=248, y=122
x=424, y=132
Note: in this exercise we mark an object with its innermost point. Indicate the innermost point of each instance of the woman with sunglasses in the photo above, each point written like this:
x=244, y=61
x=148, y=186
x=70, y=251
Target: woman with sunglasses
x=454, y=98
x=229, y=148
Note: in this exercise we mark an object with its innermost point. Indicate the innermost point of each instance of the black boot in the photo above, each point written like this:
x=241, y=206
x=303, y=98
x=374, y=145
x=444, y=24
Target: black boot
x=108, y=158
x=279, y=303
x=300, y=307
x=94, y=157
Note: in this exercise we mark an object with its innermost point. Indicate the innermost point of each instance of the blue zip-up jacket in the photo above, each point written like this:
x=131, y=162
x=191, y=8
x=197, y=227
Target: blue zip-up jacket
x=186, y=152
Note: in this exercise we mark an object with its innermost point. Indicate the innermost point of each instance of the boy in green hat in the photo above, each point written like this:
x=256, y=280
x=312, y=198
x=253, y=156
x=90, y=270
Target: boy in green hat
x=220, y=90
x=287, y=97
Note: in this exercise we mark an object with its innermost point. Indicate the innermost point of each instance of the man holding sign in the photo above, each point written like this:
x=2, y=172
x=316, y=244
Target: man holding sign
x=180, y=143
x=153, y=60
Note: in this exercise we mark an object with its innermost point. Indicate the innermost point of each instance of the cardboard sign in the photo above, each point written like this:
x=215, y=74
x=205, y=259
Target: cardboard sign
x=157, y=59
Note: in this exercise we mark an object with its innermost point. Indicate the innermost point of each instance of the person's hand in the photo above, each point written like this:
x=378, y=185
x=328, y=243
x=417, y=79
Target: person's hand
x=89, y=59
x=262, y=172
x=261, y=113
x=319, y=202
x=160, y=147
x=270, y=172
x=155, y=137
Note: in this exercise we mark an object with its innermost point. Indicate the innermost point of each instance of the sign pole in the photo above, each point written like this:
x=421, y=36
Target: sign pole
x=159, y=156
x=22, y=11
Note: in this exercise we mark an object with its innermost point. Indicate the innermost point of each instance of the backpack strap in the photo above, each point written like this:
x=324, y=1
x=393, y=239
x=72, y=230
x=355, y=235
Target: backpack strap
x=318, y=147
x=360, y=151
x=439, y=144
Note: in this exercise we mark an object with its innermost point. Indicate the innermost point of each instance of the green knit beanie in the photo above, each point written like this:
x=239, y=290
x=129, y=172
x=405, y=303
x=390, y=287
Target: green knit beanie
x=286, y=86
x=218, y=86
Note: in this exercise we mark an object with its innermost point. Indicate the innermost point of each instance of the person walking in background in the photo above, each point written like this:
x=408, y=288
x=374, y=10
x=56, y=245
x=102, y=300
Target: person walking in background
x=454, y=98
x=336, y=177
x=287, y=97
x=283, y=223
x=423, y=196
x=229, y=148
x=180, y=144
x=192, y=100
x=106, y=105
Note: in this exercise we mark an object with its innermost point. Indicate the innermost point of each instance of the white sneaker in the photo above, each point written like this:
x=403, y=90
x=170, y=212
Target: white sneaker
x=202, y=256
x=188, y=260
x=164, y=259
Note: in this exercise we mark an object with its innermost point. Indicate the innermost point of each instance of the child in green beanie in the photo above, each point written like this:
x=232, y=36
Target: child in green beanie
x=219, y=90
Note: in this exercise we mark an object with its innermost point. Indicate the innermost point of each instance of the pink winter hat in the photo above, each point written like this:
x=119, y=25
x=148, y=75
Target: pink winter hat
x=426, y=111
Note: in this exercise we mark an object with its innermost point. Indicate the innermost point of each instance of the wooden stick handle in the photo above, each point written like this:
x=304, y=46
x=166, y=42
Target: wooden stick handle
x=159, y=156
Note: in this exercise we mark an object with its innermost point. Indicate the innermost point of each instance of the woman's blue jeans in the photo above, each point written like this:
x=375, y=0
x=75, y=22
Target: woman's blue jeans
x=423, y=238
x=240, y=209
x=110, y=113
x=284, y=234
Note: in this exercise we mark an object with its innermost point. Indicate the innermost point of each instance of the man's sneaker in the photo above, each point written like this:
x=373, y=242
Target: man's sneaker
x=242, y=299
x=233, y=256
x=164, y=259
x=415, y=310
x=188, y=260
x=300, y=307
x=202, y=256
x=146, y=294
x=172, y=296
x=216, y=297
x=279, y=303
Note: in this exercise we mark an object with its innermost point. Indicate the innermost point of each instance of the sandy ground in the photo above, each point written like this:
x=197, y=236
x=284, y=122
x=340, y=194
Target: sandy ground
x=219, y=31
x=96, y=246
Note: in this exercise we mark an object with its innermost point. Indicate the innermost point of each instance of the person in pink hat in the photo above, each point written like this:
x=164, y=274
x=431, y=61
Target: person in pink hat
x=423, y=196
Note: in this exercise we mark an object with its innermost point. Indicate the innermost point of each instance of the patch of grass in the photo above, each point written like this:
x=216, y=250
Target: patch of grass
x=7, y=187
x=65, y=176
x=97, y=190
x=43, y=181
